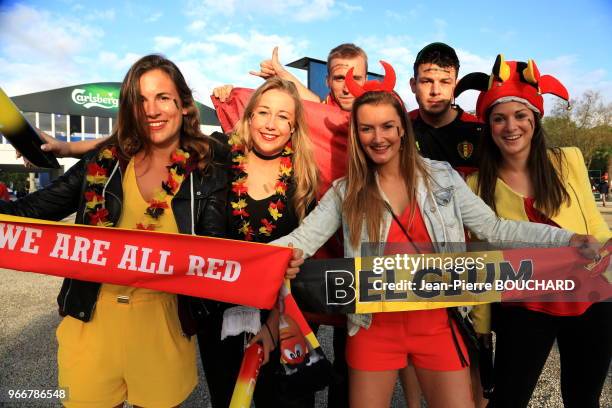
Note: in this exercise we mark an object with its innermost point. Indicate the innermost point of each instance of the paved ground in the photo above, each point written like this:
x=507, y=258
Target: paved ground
x=28, y=318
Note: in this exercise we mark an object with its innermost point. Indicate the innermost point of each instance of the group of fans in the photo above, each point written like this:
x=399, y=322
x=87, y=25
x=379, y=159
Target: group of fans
x=405, y=182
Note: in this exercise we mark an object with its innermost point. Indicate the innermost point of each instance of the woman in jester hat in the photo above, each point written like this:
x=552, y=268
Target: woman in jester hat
x=521, y=178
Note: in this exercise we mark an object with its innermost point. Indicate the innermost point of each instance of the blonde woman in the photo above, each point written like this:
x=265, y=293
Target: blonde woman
x=273, y=185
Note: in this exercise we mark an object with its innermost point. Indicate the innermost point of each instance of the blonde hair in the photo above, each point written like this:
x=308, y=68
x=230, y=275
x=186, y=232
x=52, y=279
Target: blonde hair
x=363, y=200
x=304, y=169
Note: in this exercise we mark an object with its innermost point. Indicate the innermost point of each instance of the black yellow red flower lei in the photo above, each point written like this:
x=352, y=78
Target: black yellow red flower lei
x=97, y=176
x=277, y=202
x=177, y=171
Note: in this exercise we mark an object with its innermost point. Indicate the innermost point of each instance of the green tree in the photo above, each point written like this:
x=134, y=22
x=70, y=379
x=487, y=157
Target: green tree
x=588, y=126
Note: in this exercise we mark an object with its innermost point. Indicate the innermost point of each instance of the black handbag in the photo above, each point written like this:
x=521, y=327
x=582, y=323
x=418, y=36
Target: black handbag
x=479, y=349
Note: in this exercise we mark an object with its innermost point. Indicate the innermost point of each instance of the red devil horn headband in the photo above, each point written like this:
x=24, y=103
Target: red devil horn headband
x=386, y=85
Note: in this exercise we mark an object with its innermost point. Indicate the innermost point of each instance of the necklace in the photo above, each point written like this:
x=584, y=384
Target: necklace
x=97, y=175
x=177, y=171
x=277, y=203
x=264, y=157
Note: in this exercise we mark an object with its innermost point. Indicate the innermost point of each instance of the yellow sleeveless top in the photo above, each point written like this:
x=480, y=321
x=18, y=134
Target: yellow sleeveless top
x=134, y=207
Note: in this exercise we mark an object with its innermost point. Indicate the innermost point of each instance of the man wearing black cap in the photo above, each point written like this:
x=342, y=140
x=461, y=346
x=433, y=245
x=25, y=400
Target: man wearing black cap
x=443, y=130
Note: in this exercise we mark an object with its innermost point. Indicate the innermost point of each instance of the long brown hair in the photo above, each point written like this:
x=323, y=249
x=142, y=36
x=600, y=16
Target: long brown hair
x=304, y=169
x=545, y=168
x=363, y=198
x=131, y=132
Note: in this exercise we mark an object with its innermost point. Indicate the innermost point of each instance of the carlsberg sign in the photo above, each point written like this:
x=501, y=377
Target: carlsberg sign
x=96, y=96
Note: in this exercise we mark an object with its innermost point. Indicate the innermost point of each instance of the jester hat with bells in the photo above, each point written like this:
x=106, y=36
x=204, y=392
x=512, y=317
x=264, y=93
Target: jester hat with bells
x=511, y=81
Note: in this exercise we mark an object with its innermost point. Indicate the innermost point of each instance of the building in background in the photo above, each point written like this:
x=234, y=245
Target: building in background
x=79, y=112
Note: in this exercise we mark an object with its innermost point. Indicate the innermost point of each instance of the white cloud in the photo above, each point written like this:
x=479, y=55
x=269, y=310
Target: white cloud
x=303, y=11
x=208, y=8
x=577, y=81
x=24, y=77
x=119, y=64
x=101, y=15
x=261, y=45
x=394, y=15
x=470, y=62
x=196, y=26
x=232, y=39
x=349, y=7
x=399, y=51
x=226, y=59
x=29, y=64
x=197, y=48
x=164, y=43
x=399, y=17
x=30, y=34
x=153, y=17
x=508, y=36
x=43, y=50
x=316, y=10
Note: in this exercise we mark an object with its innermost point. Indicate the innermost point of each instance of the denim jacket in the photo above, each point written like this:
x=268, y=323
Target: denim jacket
x=446, y=207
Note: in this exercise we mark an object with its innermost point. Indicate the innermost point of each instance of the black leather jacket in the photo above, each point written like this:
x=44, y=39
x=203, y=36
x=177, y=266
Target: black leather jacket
x=199, y=211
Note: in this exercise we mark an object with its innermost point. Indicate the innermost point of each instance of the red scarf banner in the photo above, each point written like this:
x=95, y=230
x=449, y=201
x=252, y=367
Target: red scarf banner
x=420, y=282
x=251, y=274
x=230, y=271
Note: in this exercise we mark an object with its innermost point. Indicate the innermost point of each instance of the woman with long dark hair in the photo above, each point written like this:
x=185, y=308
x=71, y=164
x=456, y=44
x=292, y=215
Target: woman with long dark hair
x=156, y=172
x=521, y=178
x=391, y=194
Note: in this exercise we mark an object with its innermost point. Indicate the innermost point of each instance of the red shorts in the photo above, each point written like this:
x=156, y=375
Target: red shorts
x=423, y=336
